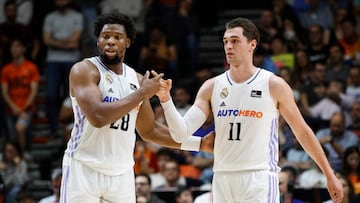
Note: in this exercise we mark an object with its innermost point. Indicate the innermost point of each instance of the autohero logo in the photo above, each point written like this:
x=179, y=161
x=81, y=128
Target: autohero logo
x=241, y=112
x=108, y=99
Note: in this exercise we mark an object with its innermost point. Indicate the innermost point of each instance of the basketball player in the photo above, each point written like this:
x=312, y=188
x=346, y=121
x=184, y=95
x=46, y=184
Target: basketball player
x=109, y=101
x=246, y=102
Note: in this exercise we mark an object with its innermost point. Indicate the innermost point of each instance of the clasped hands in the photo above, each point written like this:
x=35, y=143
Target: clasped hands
x=165, y=87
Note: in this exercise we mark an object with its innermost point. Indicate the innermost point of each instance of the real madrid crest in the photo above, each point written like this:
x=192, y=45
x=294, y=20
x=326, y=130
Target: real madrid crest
x=109, y=78
x=224, y=93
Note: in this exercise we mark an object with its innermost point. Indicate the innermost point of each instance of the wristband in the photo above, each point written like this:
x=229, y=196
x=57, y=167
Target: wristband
x=192, y=143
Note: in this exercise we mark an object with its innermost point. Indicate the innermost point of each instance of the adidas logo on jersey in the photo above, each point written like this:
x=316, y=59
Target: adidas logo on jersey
x=255, y=93
x=111, y=90
x=222, y=104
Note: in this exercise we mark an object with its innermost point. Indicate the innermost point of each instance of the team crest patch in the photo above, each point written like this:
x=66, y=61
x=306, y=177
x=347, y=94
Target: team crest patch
x=132, y=86
x=256, y=93
x=109, y=78
x=224, y=93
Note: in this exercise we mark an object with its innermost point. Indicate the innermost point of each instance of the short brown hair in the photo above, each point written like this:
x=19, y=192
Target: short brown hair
x=250, y=30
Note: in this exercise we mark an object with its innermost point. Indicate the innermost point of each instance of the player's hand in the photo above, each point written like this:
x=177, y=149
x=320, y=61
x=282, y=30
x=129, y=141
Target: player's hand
x=165, y=87
x=335, y=189
x=207, y=142
x=151, y=85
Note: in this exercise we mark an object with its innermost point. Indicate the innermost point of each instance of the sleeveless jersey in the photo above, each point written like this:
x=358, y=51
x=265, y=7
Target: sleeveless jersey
x=109, y=149
x=246, y=124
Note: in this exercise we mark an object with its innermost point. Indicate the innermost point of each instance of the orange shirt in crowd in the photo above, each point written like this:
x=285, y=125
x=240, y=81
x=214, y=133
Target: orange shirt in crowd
x=19, y=79
x=352, y=51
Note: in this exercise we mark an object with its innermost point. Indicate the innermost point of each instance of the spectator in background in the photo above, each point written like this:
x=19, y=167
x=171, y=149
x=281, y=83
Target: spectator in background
x=163, y=155
x=339, y=14
x=13, y=168
x=286, y=189
x=336, y=138
x=173, y=178
x=61, y=34
x=319, y=11
x=353, y=83
x=303, y=67
x=355, y=118
x=313, y=177
x=283, y=10
x=55, y=184
x=143, y=189
x=262, y=59
x=280, y=54
x=323, y=110
x=337, y=68
x=24, y=8
x=350, y=40
x=182, y=25
x=182, y=98
x=144, y=157
x=159, y=53
x=25, y=196
x=317, y=46
x=292, y=33
x=268, y=29
x=312, y=92
x=202, y=74
x=297, y=157
x=184, y=195
x=19, y=87
x=11, y=29
x=292, y=173
x=351, y=166
x=89, y=10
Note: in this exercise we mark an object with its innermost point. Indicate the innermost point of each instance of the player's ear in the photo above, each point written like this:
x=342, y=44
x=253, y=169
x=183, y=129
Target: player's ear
x=252, y=46
x=128, y=43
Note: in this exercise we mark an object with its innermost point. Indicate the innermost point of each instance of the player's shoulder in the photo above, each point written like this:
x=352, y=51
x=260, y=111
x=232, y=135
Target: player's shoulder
x=84, y=64
x=275, y=80
x=84, y=67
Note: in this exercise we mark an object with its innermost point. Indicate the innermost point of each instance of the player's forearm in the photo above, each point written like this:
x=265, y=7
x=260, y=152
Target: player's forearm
x=175, y=121
x=106, y=112
x=312, y=146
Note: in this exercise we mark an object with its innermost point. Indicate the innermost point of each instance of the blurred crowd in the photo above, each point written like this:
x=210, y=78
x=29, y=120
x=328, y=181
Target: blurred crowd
x=314, y=45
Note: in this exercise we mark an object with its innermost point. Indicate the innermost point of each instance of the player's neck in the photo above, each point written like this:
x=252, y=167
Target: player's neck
x=241, y=73
x=116, y=68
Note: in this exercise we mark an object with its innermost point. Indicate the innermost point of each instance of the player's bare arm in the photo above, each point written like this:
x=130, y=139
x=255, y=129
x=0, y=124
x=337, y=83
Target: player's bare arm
x=84, y=78
x=203, y=97
x=152, y=131
x=283, y=96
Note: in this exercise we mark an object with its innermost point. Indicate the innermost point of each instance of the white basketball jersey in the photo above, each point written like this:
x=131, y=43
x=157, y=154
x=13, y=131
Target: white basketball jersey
x=108, y=150
x=246, y=124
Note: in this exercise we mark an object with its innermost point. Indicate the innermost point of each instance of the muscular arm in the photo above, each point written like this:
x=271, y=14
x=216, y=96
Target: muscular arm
x=282, y=94
x=151, y=130
x=84, y=78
